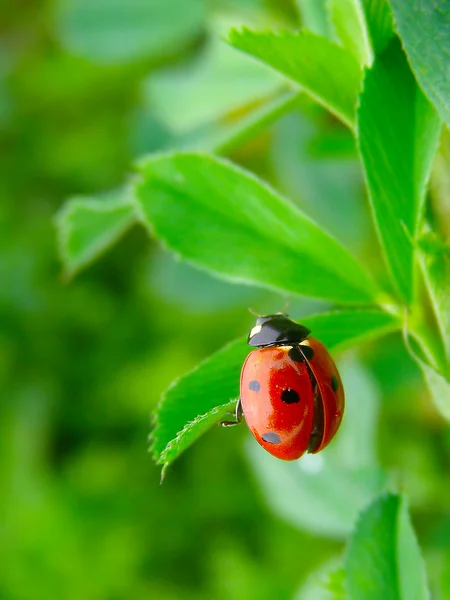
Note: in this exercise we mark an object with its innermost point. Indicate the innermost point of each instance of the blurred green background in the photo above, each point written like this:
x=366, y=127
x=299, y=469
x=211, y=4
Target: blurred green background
x=86, y=88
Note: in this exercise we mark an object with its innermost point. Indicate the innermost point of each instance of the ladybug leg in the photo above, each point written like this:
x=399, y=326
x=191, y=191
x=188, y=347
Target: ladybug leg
x=237, y=416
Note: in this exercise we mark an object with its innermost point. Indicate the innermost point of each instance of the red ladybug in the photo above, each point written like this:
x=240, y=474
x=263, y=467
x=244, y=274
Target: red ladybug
x=291, y=392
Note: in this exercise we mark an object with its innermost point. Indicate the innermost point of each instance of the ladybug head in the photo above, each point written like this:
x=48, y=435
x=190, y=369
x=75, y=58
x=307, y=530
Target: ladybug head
x=276, y=330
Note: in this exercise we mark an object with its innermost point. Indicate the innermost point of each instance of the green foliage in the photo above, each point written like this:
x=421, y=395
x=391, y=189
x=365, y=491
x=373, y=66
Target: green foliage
x=82, y=364
x=89, y=226
x=350, y=26
x=398, y=133
x=326, y=71
x=132, y=30
x=207, y=390
x=383, y=559
x=330, y=488
x=428, y=54
x=226, y=220
x=379, y=23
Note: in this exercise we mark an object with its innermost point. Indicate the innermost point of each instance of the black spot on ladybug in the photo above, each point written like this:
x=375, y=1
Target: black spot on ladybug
x=334, y=383
x=254, y=385
x=290, y=396
x=271, y=438
x=308, y=352
x=295, y=354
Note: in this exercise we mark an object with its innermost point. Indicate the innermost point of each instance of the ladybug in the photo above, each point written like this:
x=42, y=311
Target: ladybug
x=291, y=394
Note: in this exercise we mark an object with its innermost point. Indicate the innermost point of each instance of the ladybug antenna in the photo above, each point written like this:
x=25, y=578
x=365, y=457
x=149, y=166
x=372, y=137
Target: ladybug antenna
x=254, y=312
x=285, y=307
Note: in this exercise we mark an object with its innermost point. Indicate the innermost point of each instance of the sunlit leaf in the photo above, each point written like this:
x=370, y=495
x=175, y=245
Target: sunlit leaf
x=87, y=227
x=424, y=27
x=315, y=16
x=398, y=134
x=349, y=23
x=383, y=559
x=224, y=219
x=323, y=69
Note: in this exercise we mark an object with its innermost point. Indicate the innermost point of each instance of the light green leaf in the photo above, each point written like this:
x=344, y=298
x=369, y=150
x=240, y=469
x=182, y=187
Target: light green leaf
x=224, y=219
x=193, y=430
x=398, y=134
x=87, y=227
x=125, y=30
x=326, y=583
x=424, y=27
x=315, y=16
x=347, y=17
x=379, y=22
x=215, y=382
x=330, y=488
x=73, y=219
x=219, y=81
x=342, y=329
x=330, y=74
x=383, y=559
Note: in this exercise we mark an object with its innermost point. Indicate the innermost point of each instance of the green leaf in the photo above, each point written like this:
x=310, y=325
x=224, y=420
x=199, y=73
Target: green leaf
x=327, y=72
x=424, y=27
x=342, y=329
x=129, y=29
x=435, y=261
x=219, y=81
x=224, y=219
x=330, y=488
x=383, y=559
x=226, y=135
x=439, y=388
x=192, y=431
x=87, y=227
x=215, y=382
x=349, y=23
x=315, y=16
x=379, y=22
x=398, y=134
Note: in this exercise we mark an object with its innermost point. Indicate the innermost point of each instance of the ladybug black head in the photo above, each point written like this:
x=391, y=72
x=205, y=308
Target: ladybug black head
x=278, y=329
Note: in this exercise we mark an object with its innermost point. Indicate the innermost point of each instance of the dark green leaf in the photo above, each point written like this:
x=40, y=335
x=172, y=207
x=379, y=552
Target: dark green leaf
x=424, y=27
x=88, y=226
x=398, y=134
x=383, y=558
x=435, y=260
x=222, y=218
x=330, y=74
x=379, y=22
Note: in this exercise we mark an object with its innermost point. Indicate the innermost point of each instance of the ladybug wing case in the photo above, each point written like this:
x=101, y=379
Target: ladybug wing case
x=278, y=401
